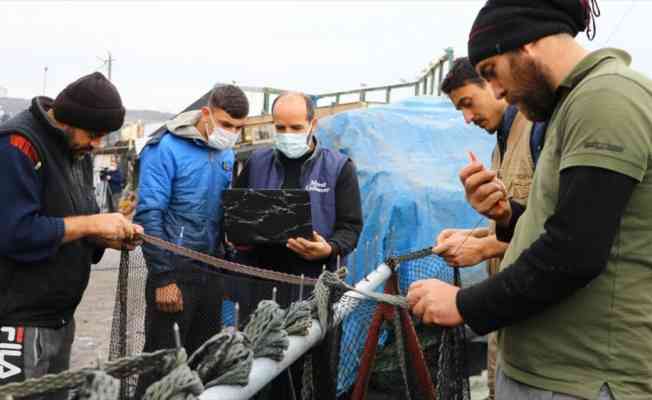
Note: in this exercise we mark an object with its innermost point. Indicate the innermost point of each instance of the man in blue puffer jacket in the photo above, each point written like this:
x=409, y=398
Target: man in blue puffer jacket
x=183, y=173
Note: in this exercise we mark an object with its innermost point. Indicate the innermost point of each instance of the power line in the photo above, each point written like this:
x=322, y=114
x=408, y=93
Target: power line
x=617, y=27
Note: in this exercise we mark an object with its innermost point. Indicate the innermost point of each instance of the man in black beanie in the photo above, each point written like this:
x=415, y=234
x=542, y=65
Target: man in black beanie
x=572, y=300
x=51, y=230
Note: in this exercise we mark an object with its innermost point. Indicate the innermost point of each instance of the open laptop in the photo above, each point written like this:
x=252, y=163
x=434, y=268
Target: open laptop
x=267, y=216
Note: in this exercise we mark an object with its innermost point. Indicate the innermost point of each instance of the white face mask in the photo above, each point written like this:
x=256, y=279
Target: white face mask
x=293, y=145
x=219, y=138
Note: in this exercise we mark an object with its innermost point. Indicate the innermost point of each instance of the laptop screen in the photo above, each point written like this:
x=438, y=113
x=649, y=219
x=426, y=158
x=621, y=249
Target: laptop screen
x=267, y=216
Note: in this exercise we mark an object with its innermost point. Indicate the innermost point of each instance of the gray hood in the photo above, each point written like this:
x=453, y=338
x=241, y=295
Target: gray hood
x=183, y=125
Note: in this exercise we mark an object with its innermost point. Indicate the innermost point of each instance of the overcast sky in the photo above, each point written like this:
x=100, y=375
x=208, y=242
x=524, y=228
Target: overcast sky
x=169, y=53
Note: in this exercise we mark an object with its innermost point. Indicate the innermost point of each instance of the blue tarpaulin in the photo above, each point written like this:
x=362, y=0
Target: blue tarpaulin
x=408, y=156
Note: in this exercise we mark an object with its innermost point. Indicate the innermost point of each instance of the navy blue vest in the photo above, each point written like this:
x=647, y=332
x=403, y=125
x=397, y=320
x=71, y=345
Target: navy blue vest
x=318, y=176
x=47, y=293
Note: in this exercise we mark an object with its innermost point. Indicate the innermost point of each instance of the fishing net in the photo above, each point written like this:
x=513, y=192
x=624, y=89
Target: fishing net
x=383, y=356
x=384, y=373
x=443, y=349
x=127, y=327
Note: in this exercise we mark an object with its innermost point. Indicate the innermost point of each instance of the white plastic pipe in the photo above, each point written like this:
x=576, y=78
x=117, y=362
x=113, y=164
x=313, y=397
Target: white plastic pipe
x=265, y=369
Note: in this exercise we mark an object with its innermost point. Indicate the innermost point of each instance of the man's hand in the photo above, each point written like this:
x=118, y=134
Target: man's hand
x=169, y=298
x=315, y=249
x=107, y=227
x=447, y=233
x=485, y=192
x=126, y=244
x=434, y=302
x=114, y=226
x=462, y=250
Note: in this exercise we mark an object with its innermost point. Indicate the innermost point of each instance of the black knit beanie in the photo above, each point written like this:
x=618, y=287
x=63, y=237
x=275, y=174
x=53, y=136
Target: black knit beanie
x=506, y=25
x=92, y=103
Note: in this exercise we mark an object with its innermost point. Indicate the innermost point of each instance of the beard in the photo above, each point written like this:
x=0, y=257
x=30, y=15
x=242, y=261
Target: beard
x=77, y=149
x=535, y=96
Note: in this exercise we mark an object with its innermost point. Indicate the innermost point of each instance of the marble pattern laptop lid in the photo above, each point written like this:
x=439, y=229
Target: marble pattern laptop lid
x=268, y=216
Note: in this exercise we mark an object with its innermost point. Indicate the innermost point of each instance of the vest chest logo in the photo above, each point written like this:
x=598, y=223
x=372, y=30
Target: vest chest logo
x=11, y=353
x=316, y=186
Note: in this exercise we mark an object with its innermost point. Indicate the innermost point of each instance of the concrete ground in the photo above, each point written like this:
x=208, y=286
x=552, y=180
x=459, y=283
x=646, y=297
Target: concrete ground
x=95, y=313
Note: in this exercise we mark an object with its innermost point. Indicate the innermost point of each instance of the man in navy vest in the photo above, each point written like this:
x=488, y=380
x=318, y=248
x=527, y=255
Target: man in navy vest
x=51, y=230
x=298, y=162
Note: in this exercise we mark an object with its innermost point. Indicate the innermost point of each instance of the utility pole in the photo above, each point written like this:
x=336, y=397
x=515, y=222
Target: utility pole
x=109, y=64
x=45, y=78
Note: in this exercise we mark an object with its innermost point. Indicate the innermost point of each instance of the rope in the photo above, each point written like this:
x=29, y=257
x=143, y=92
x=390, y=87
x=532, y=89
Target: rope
x=298, y=318
x=225, y=359
x=161, y=360
x=394, y=261
x=400, y=351
x=332, y=280
x=219, y=263
x=179, y=384
x=265, y=330
x=321, y=298
x=99, y=386
x=307, y=392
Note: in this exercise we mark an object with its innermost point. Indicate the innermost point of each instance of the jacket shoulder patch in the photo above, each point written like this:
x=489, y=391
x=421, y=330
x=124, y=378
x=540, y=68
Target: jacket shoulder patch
x=25, y=147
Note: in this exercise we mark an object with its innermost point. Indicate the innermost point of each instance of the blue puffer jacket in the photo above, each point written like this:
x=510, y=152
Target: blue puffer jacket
x=180, y=195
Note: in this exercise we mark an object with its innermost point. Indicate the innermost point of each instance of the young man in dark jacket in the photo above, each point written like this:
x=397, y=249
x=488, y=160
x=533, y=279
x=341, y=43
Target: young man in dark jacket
x=51, y=230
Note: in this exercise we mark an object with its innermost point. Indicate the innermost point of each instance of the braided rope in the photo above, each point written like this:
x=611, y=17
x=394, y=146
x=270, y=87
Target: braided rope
x=298, y=318
x=161, y=360
x=228, y=265
x=180, y=384
x=225, y=359
x=265, y=330
x=99, y=386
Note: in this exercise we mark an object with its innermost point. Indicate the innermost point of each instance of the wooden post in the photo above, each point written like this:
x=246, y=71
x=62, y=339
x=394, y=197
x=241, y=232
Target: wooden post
x=363, y=95
x=416, y=88
x=387, y=94
x=337, y=98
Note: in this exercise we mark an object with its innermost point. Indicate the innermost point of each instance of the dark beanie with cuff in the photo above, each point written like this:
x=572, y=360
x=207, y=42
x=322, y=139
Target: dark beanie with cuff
x=506, y=25
x=92, y=103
